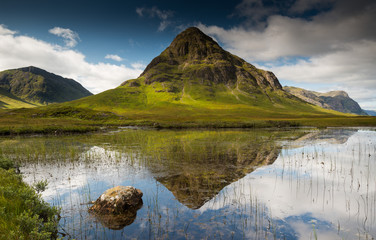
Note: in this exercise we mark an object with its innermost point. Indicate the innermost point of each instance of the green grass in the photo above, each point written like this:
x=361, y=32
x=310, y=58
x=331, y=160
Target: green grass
x=219, y=105
x=8, y=100
x=170, y=105
x=23, y=214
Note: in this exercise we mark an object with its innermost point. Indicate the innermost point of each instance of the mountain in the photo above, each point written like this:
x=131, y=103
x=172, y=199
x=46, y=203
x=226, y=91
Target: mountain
x=196, y=58
x=335, y=100
x=370, y=112
x=195, y=80
x=32, y=86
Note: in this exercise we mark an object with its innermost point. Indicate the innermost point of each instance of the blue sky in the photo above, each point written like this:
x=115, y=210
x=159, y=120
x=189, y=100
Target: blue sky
x=114, y=27
x=320, y=45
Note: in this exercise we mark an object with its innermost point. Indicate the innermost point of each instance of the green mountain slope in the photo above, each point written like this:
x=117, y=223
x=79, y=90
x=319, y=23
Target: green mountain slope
x=335, y=100
x=31, y=86
x=8, y=100
x=194, y=79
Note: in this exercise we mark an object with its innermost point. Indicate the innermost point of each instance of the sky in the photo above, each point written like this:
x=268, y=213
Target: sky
x=319, y=45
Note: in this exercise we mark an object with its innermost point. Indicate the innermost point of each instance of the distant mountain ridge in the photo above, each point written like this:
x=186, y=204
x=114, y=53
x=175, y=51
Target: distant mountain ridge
x=335, y=100
x=371, y=112
x=32, y=86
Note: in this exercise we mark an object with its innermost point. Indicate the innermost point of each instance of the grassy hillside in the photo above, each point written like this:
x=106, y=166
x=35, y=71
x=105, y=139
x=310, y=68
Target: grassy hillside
x=31, y=86
x=193, y=102
x=8, y=100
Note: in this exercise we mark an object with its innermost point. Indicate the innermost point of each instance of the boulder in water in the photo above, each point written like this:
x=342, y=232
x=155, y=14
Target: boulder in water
x=118, y=200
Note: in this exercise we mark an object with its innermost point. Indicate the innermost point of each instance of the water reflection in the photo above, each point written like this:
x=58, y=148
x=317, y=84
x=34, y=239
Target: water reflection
x=219, y=184
x=331, y=136
x=202, y=177
x=117, y=221
x=327, y=187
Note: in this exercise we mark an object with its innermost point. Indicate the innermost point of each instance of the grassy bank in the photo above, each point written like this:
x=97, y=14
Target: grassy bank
x=23, y=214
x=67, y=119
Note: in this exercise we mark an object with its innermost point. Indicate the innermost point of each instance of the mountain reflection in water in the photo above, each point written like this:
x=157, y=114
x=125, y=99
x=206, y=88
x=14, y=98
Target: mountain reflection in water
x=199, y=183
x=196, y=178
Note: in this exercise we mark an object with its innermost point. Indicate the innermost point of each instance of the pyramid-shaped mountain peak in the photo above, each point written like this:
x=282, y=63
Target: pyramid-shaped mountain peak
x=194, y=44
x=193, y=32
x=196, y=58
x=36, y=70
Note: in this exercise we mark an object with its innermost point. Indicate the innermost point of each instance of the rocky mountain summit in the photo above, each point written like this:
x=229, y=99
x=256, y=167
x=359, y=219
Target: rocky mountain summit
x=335, y=100
x=196, y=58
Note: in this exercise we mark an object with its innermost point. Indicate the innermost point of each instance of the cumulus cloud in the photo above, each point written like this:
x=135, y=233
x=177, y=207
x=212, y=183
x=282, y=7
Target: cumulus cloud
x=138, y=65
x=114, y=57
x=291, y=37
x=338, y=45
x=351, y=69
x=155, y=12
x=70, y=37
x=19, y=51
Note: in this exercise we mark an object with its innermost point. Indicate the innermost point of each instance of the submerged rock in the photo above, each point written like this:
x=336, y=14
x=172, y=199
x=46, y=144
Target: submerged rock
x=117, y=200
x=117, y=207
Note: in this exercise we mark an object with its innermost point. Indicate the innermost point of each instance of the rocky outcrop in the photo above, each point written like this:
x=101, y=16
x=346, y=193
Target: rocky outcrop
x=117, y=207
x=117, y=200
x=334, y=100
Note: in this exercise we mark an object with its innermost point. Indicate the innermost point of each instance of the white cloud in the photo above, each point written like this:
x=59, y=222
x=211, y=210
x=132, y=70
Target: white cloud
x=19, y=51
x=339, y=45
x=153, y=12
x=291, y=37
x=351, y=69
x=114, y=57
x=70, y=37
x=138, y=65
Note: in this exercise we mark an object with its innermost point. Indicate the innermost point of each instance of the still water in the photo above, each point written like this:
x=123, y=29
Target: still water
x=210, y=184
